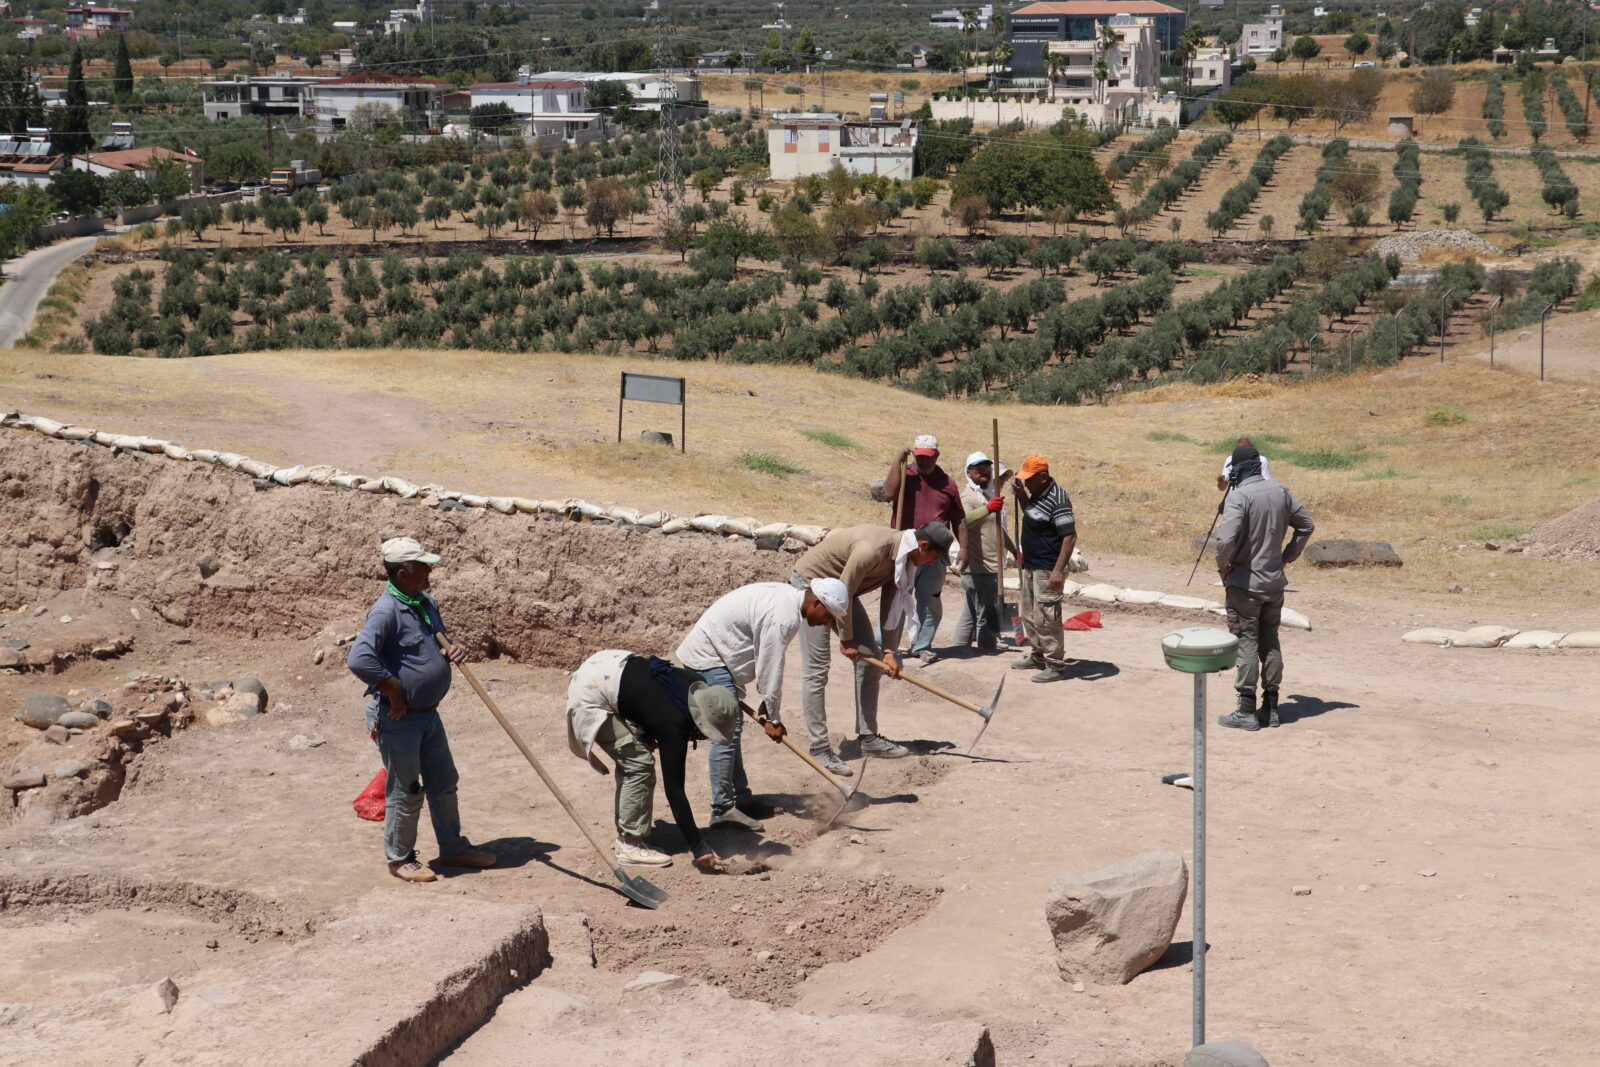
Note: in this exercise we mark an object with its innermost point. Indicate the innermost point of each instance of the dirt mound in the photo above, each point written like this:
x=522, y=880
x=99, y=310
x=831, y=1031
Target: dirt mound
x=206, y=548
x=780, y=928
x=1575, y=535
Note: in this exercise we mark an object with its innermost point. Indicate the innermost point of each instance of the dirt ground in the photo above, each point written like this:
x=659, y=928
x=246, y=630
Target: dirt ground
x=1425, y=795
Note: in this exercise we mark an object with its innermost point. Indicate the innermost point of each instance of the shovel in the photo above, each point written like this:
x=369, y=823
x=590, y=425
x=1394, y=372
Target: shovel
x=846, y=792
x=636, y=889
x=986, y=712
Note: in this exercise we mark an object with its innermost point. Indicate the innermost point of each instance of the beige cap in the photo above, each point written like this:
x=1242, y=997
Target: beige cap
x=714, y=710
x=407, y=550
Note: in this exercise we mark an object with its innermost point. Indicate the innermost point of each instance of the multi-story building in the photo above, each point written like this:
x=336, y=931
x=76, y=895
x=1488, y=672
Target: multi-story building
x=412, y=102
x=1265, y=37
x=544, y=106
x=647, y=88
x=1211, y=67
x=281, y=95
x=951, y=19
x=1127, y=47
x=802, y=144
x=88, y=22
x=1030, y=29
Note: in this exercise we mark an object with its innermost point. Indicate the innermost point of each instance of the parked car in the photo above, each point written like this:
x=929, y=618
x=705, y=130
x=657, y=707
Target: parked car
x=224, y=187
x=1364, y=64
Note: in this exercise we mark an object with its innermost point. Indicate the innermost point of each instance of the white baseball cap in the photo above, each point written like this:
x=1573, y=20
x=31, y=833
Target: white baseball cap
x=977, y=458
x=925, y=445
x=833, y=595
x=407, y=550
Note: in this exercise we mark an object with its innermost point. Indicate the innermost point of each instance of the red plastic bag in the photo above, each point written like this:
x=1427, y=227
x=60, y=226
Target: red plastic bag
x=370, y=805
x=1084, y=620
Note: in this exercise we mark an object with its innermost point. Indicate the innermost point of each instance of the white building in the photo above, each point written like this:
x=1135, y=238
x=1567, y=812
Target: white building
x=1211, y=67
x=1263, y=38
x=413, y=102
x=951, y=19
x=27, y=160
x=802, y=144
x=281, y=95
x=141, y=163
x=646, y=88
x=544, y=107
x=1130, y=48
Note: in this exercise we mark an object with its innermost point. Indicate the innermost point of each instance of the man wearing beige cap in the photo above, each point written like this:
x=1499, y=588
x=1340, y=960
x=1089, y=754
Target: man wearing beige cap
x=922, y=495
x=407, y=676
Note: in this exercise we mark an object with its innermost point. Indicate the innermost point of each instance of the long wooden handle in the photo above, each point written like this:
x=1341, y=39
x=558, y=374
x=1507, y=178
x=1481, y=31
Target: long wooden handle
x=788, y=743
x=516, y=739
x=928, y=686
x=999, y=525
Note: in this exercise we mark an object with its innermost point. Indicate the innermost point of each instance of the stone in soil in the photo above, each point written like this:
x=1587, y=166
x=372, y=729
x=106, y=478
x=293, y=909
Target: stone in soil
x=29, y=779
x=42, y=709
x=80, y=720
x=659, y=981
x=1110, y=924
x=1343, y=552
x=57, y=734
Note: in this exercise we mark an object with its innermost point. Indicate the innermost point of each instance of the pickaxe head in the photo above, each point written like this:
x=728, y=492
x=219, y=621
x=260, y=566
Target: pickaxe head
x=847, y=794
x=987, y=711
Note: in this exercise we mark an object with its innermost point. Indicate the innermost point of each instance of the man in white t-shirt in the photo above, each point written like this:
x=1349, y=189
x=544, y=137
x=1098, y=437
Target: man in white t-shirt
x=1227, y=466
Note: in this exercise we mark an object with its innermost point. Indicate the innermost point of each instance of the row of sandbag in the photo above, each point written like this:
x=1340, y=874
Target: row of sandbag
x=427, y=495
x=1502, y=637
x=1101, y=593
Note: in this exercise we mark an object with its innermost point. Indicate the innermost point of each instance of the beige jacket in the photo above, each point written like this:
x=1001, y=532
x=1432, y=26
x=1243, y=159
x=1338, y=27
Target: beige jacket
x=983, y=540
x=862, y=557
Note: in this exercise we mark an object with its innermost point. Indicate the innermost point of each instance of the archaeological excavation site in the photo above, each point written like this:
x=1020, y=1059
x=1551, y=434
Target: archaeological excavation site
x=183, y=879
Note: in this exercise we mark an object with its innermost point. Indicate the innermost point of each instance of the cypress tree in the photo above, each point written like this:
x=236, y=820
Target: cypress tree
x=72, y=129
x=122, y=77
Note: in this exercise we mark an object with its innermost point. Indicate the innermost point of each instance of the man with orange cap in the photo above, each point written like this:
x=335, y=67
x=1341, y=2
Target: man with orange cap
x=1049, y=534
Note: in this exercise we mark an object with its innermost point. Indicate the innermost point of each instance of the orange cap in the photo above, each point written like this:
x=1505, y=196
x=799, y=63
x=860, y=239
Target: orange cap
x=1033, y=465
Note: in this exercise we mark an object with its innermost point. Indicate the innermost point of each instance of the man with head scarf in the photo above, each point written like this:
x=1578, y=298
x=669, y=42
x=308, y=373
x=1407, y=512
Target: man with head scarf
x=630, y=706
x=1250, y=559
x=1049, y=534
x=1224, y=479
x=980, y=581
x=741, y=641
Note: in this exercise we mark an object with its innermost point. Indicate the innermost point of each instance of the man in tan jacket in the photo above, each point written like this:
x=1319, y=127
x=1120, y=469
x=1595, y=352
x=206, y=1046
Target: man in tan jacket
x=864, y=558
x=980, y=615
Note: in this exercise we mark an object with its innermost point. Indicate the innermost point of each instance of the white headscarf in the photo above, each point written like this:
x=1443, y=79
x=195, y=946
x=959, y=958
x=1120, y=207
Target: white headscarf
x=904, y=604
x=972, y=461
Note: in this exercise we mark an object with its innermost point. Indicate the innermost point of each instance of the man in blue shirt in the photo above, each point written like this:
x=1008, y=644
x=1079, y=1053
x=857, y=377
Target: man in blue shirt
x=407, y=676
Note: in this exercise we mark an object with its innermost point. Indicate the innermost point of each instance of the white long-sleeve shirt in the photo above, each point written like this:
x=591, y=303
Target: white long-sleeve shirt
x=747, y=631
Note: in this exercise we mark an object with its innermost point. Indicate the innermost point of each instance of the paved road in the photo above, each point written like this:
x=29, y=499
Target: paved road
x=28, y=278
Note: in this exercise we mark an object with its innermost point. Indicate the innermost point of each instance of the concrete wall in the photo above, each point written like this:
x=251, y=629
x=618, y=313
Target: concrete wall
x=78, y=227
x=132, y=216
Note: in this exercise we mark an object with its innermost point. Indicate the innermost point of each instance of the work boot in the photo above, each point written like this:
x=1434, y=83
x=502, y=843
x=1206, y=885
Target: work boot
x=831, y=762
x=1049, y=674
x=412, y=871
x=734, y=819
x=1269, y=704
x=1244, y=718
x=1028, y=663
x=881, y=747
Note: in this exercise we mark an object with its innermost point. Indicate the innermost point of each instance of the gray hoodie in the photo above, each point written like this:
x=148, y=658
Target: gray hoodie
x=1250, y=549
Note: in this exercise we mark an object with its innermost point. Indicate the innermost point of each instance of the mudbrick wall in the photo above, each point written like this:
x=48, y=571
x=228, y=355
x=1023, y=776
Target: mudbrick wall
x=212, y=547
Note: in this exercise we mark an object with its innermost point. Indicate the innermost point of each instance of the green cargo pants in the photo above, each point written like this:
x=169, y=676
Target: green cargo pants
x=1253, y=618
x=635, y=774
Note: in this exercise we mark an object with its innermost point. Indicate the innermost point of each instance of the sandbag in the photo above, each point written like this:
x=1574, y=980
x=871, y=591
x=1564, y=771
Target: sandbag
x=321, y=474
x=347, y=481
x=231, y=460
x=1100, y=593
x=672, y=526
x=771, y=529
x=1483, y=637
x=708, y=523
x=1070, y=587
x=205, y=455
x=76, y=433
x=1536, y=639
x=586, y=509
x=48, y=427
x=653, y=520
x=623, y=515
x=1186, y=603
x=1076, y=564
x=553, y=507
x=1430, y=635
x=473, y=500
x=177, y=452
x=127, y=442
x=503, y=504
x=371, y=485
x=1138, y=596
x=104, y=437
x=153, y=444
x=255, y=468
x=1581, y=639
x=738, y=527
x=807, y=535
x=291, y=475
x=1291, y=617
x=525, y=506
x=399, y=487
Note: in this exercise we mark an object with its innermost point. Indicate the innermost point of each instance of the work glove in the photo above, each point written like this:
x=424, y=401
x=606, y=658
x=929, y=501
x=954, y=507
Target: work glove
x=995, y=504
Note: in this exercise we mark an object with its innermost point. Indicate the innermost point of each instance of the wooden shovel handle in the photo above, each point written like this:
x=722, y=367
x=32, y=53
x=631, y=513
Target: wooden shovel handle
x=927, y=686
x=798, y=751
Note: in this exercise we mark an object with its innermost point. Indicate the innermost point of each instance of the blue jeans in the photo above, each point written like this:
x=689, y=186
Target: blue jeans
x=416, y=754
x=930, y=608
x=729, y=786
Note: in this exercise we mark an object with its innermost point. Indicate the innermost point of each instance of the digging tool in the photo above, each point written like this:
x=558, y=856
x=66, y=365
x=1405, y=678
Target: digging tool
x=1207, y=541
x=1000, y=530
x=639, y=890
x=986, y=712
x=846, y=792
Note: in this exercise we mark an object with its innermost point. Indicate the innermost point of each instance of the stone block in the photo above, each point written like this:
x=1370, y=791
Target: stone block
x=1110, y=924
x=1343, y=552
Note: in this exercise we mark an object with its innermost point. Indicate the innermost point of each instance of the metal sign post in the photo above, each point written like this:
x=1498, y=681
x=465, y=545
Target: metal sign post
x=655, y=389
x=1199, y=650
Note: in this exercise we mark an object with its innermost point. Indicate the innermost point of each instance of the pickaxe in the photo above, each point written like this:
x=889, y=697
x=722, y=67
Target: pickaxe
x=986, y=712
x=846, y=792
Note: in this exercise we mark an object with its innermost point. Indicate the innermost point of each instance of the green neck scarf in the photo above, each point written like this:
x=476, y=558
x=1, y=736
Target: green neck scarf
x=415, y=603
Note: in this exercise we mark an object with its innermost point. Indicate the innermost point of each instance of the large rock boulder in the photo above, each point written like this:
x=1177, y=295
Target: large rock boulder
x=1342, y=552
x=1111, y=924
x=42, y=709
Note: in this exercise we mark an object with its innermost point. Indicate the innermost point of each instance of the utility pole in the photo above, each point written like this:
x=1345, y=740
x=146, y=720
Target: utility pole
x=669, y=173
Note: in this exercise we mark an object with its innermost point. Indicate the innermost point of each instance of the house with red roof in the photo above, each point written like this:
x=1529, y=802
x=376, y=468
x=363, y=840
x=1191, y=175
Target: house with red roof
x=141, y=163
x=373, y=96
x=1032, y=27
x=543, y=106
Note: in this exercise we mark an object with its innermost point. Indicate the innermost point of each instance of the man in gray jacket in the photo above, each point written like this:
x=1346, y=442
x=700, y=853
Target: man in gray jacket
x=1250, y=558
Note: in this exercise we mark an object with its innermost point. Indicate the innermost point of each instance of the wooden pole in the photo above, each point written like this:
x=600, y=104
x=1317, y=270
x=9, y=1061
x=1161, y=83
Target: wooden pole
x=900, y=497
x=1000, y=532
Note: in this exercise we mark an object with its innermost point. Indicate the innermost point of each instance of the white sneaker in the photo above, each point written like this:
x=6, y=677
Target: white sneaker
x=640, y=855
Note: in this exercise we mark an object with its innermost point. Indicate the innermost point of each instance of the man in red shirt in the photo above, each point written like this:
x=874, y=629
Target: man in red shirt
x=929, y=496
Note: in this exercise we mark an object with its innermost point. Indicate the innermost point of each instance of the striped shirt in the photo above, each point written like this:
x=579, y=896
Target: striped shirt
x=1046, y=522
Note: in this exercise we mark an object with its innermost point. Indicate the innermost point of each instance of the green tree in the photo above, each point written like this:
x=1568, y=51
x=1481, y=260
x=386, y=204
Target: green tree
x=1305, y=49
x=172, y=181
x=122, y=73
x=77, y=192
x=1357, y=44
x=734, y=239
x=71, y=133
x=492, y=118
x=127, y=190
x=237, y=161
x=1434, y=93
x=1041, y=172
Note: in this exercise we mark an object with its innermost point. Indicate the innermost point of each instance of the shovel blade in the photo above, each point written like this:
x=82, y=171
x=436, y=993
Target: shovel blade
x=640, y=890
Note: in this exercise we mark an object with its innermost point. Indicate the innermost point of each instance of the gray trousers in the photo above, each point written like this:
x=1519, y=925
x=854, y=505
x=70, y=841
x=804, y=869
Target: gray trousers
x=1253, y=618
x=1041, y=619
x=815, y=642
x=980, y=615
